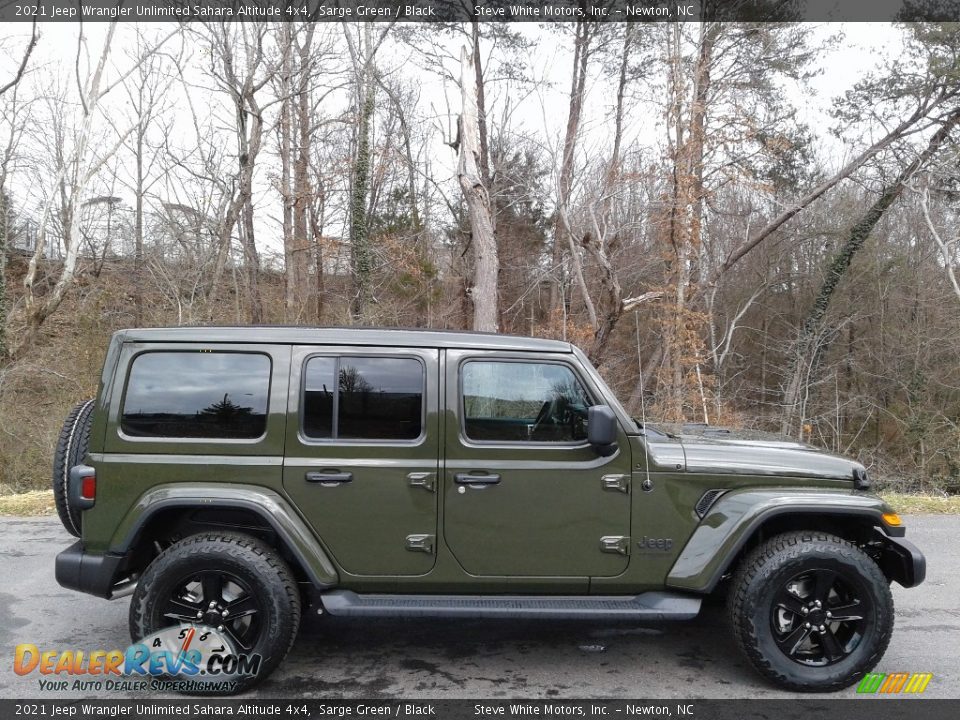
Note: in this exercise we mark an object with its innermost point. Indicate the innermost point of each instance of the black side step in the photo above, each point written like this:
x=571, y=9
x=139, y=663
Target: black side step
x=647, y=606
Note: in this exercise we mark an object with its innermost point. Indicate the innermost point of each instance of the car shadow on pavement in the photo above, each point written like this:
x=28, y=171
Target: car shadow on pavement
x=428, y=657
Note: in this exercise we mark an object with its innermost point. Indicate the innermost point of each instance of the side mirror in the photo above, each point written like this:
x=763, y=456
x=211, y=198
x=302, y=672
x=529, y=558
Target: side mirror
x=602, y=430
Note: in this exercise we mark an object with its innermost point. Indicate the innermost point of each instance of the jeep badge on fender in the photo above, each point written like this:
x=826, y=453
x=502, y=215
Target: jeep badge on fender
x=655, y=544
x=227, y=477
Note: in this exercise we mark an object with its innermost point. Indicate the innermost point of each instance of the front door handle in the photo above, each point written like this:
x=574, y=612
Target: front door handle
x=468, y=479
x=329, y=477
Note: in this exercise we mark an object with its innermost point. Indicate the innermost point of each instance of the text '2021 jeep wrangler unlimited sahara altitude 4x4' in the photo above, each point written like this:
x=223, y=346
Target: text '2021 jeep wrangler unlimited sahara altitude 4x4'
x=227, y=476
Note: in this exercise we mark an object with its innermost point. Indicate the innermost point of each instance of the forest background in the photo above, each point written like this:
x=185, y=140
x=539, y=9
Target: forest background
x=744, y=224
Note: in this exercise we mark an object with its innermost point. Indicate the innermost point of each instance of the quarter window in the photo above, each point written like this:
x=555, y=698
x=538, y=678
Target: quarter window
x=522, y=401
x=372, y=398
x=215, y=395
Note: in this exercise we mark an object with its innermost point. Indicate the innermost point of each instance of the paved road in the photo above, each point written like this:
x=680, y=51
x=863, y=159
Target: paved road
x=339, y=658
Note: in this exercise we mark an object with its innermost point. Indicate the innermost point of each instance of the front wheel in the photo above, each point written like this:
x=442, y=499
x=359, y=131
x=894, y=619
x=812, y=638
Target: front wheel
x=811, y=611
x=230, y=582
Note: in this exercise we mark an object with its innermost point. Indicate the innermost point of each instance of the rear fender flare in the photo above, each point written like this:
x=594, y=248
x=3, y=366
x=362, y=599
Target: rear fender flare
x=267, y=504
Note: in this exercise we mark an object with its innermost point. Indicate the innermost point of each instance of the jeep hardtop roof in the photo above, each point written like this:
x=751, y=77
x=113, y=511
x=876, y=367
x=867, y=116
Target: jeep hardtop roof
x=300, y=335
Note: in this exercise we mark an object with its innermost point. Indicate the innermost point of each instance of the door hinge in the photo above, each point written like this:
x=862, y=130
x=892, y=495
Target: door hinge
x=420, y=543
x=425, y=480
x=618, y=544
x=620, y=483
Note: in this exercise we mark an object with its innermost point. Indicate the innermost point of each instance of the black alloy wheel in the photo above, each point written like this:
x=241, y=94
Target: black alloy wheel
x=818, y=617
x=225, y=580
x=219, y=599
x=811, y=611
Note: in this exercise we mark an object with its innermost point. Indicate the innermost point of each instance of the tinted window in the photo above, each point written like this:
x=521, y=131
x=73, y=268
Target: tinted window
x=319, y=396
x=373, y=398
x=518, y=401
x=197, y=395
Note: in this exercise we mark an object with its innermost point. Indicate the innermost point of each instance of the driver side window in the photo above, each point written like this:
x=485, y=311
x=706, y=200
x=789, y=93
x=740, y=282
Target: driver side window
x=523, y=402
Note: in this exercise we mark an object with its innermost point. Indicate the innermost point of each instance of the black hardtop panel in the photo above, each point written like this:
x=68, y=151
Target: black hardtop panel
x=299, y=335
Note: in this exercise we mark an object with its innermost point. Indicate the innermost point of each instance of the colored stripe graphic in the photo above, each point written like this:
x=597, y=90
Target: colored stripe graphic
x=870, y=683
x=918, y=683
x=894, y=683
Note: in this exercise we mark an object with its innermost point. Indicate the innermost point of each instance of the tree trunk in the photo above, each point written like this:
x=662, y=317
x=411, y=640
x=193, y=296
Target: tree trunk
x=4, y=235
x=302, y=192
x=681, y=253
x=138, y=228
x=563, y=240
x=360, y=252
x=286, y=182
x=486, y=266
x=612, y=298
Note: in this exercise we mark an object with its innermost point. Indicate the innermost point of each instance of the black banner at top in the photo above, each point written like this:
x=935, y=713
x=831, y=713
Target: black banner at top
x=483, y=10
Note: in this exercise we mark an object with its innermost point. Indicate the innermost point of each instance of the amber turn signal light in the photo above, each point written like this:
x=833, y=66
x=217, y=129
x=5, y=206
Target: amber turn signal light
x=892, y=519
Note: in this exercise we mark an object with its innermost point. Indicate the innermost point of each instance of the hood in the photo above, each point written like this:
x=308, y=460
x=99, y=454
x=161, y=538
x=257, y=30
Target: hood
x=747, y=452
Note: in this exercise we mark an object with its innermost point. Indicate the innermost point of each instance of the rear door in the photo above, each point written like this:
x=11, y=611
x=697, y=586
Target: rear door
x=362, y=454
x=524, y=493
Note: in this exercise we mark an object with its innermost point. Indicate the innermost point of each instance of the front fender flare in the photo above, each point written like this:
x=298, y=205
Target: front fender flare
x=269, y=505
x=734, y=518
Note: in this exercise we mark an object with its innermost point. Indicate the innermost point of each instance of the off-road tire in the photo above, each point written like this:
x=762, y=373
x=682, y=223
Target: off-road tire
x=256, y=563
x=71, y=449
x=758, y=579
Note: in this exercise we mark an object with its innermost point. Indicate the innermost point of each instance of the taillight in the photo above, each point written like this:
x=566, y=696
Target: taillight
x=88, y=487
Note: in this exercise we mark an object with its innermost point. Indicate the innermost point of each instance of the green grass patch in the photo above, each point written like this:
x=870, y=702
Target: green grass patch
x=37, y=502
x=924, y=504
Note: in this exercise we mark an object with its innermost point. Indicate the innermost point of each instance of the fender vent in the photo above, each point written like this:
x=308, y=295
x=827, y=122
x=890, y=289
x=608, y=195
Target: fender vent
x=706, y=501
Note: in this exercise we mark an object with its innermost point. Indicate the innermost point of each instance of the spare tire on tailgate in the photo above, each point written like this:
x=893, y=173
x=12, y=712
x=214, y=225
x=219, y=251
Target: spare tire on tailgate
x=71, y=449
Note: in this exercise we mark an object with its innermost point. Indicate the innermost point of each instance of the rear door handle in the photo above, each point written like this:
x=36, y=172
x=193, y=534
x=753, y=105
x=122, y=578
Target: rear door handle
x=468, y=479
x=329, y=477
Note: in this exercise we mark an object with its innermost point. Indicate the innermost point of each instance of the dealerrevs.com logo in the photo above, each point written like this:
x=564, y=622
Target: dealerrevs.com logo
x=177, y=659
x=894, y=683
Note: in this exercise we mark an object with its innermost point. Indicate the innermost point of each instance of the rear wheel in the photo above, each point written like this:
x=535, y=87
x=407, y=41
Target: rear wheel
x=811, y=611
x=231, y=582
x=72, y=447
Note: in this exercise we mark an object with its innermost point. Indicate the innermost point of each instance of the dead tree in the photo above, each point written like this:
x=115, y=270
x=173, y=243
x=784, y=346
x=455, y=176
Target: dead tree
x=484, y=292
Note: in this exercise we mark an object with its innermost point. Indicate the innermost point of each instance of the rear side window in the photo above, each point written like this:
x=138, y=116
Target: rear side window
x=214, y=395
x=363, y=398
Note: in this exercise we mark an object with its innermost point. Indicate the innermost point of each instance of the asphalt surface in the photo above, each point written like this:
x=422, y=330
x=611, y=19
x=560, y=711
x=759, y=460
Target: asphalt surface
x=429, y=659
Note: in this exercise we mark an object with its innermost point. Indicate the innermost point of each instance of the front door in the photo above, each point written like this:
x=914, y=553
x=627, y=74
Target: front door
x=524, y=493
x=362, y=454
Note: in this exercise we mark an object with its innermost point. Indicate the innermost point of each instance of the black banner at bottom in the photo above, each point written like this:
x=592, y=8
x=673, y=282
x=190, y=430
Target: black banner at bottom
x=857, y=708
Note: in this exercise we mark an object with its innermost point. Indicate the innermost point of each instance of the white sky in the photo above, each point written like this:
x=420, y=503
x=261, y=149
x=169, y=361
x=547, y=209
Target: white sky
x=542, y=115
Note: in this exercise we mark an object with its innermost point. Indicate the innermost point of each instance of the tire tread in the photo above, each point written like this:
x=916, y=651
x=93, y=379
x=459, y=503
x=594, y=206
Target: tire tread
x=763, y=561
x=72, y=446
x=245, y=549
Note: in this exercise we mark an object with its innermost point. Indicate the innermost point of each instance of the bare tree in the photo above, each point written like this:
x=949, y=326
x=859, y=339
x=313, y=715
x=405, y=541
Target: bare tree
x=363, y=52
x=813, y=342
x=241, y=67
x=584, y=35
x=77, y=171
x=949, y=246
x=486, y=264
x=145, y=95
x=22, y=68
x=15, y=119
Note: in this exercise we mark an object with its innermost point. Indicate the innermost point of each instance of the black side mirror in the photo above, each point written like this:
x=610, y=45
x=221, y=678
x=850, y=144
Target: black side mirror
x=602, y=430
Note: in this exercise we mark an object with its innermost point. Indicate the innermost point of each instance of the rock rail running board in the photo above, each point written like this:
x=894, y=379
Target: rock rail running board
x=646, y=606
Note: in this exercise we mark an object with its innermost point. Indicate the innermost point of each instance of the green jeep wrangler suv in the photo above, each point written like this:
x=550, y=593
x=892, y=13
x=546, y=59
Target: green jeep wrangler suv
x=228, y=477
